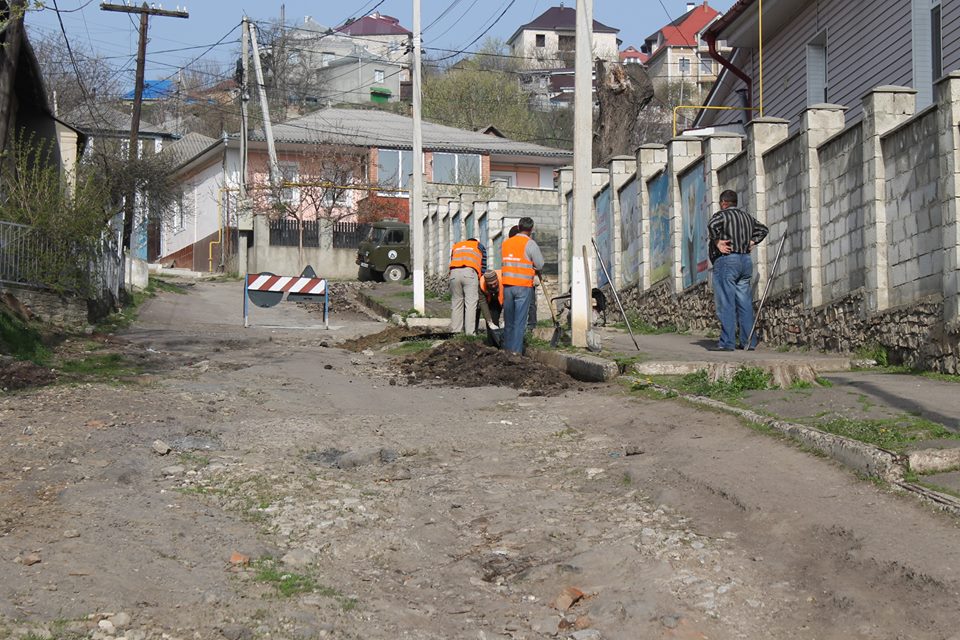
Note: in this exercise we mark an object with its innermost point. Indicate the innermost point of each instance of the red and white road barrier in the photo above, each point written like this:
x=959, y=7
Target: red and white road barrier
x=287, y=284
x=267, y=290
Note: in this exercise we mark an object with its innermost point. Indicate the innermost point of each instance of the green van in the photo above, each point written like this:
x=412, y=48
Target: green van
x=385, y=253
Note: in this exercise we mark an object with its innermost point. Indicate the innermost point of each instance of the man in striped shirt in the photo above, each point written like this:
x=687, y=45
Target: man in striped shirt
x=733, y=234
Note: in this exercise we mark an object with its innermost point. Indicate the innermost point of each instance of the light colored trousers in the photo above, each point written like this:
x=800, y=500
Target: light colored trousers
x=464, y=297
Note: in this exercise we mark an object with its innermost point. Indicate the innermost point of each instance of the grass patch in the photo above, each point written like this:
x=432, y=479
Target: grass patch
x=410, y=347
x=288, y=584
x=941, y=377
x=159, y=284
x=21, y=340
x=876, y=352
x=99, y=367
x=745, y=379
x=894, y=434
x=625, y=363
x=642, y=327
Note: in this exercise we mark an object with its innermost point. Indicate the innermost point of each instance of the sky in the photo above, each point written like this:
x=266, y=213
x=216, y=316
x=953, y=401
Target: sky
x=176, y=42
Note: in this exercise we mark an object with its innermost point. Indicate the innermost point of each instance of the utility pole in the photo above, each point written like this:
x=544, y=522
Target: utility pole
x=145, y=11
x=244, y=101
x=416, y=194
x=582, y=172
x=244, y=215
x=265, y=109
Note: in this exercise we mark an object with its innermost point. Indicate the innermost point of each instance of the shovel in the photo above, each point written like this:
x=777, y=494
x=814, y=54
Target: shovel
x=557, y=329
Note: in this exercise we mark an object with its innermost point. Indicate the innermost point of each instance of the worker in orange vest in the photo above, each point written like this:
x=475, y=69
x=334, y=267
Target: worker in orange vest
x=491, y=304
x=522, y=261
x=468, y=259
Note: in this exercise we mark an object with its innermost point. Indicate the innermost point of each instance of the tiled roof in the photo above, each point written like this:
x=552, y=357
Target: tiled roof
x=188, y=147
x=633, y=52
x=374, y=24
x=683, y=31
x=372, y=128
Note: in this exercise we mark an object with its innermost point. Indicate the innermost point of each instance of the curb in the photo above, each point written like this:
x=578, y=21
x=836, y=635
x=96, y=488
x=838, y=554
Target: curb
x=867, y=459
x=580, y=367
x=681, y=367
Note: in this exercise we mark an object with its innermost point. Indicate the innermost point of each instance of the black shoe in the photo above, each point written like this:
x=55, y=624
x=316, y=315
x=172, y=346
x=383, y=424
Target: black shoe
x=718, y=349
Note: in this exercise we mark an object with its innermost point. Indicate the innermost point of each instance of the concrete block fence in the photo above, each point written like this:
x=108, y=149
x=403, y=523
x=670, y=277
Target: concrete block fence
x=869, y=212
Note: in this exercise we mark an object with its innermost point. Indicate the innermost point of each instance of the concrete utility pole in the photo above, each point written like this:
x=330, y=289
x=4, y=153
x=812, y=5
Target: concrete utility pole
x=244, y=101
x=145, y=12
x=582, y=173
x=265, y=108
x=416, y=194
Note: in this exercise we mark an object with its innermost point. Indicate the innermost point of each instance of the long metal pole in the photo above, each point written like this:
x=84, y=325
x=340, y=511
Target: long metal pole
x=616, y=296
x=582, y=172
x=265, y=108
x=416, y=194
x=766, y=290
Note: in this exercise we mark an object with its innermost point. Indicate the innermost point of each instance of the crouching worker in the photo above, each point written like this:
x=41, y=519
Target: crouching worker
x=491, y=305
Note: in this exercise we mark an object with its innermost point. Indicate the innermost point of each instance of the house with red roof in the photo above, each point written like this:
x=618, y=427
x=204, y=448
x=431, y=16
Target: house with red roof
x=549, y=40
x=381, y=34
x=632, y=55
x=677, y=51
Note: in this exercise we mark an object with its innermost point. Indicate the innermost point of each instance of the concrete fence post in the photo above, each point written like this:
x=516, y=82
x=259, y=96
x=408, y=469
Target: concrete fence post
x=718, y=149
x=819, y=123
x=762, y=135
x=564, y=186
x=884, y=108
x=651, y=159
x=430, y=238
x=681, y=153
x=622, y=168
x=948, y=116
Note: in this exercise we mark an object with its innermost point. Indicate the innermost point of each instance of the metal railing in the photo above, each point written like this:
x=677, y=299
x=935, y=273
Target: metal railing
x=93, y=270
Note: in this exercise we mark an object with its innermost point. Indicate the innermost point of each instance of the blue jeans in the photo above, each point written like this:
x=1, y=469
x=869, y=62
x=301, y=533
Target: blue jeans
x=516, y=308
x=731, y=293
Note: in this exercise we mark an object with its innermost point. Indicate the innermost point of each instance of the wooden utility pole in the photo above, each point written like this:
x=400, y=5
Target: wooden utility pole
x=416, y=193
x=145, y=11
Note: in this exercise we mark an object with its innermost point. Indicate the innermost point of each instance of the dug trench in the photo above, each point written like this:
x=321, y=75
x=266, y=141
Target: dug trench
x=305, y=496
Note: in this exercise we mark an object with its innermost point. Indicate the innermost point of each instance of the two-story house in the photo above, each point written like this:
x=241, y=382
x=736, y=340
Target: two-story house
x=549, y=40
x=677, y=53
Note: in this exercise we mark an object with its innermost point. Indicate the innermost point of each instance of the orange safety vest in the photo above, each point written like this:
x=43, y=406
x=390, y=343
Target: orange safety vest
x=466, y=254
x=518, y=271
x=483, y=285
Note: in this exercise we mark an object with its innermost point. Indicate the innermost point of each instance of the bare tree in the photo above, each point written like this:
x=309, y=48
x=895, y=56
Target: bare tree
x=321, y=182
x=62, y=82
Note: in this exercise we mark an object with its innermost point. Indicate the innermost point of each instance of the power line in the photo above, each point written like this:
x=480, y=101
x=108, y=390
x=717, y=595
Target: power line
x=483, y=33
x=59, y=11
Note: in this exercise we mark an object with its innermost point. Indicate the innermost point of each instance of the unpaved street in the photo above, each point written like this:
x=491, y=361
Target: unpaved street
x=312, y=492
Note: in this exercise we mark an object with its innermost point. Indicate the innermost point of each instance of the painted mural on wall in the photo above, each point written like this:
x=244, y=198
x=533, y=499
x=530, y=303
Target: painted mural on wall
x=603, y=233
x=629, y=233
x=694, y=214
x=659, y=190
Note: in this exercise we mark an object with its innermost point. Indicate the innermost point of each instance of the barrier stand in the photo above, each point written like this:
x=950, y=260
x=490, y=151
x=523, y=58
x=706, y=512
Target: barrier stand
x=268, y=290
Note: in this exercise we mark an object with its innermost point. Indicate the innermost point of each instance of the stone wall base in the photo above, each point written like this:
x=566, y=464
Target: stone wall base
x=62, y=311
x=913, y=335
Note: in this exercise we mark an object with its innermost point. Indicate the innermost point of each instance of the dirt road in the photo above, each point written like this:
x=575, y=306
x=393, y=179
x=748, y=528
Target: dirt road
x=312, y=492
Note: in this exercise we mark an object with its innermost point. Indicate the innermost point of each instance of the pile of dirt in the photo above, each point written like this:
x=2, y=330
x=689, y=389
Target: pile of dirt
x=388, y=336
x=474, y=364
x=21, y=374
x=342, y=299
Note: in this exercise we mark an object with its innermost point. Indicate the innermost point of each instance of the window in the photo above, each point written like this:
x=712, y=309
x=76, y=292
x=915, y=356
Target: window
x=936, y=42
x=541, y=40
x=567, y=43
x=817, y=69
x=706, y=65
x=289, y=172
x=456, y=168
x=684, y=66
x=394, y=168
x=378, y=75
